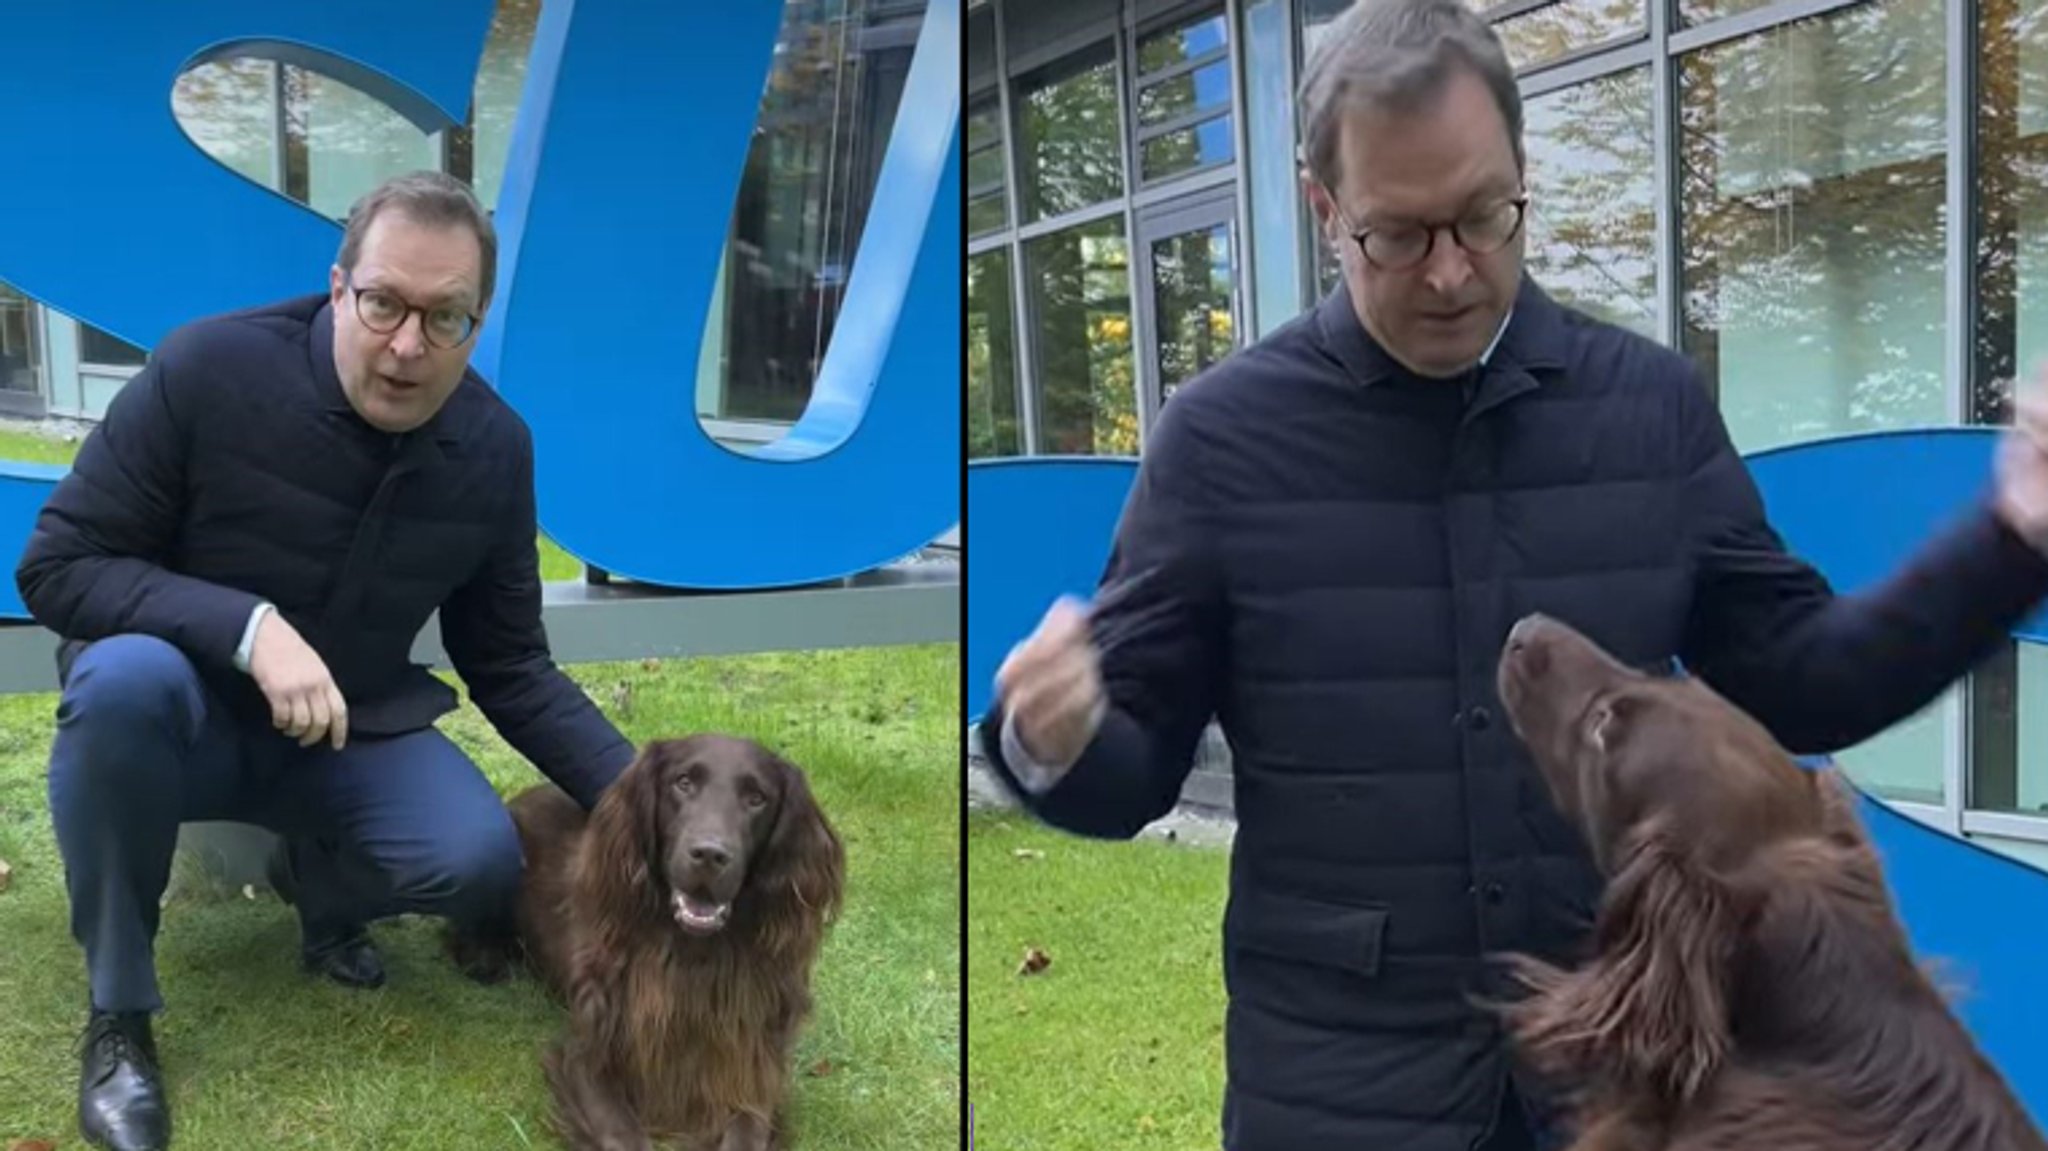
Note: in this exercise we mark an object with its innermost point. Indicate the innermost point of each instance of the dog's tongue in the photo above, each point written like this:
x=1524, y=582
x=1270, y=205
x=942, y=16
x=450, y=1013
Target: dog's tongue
x=699, y=914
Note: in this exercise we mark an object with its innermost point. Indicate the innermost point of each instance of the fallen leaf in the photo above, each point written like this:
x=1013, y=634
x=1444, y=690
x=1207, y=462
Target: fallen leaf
x=1146, y=1123
x=248, y=891
x=6, y=874
x=821, y=1068
x=1028, y=853
x=31, y=1145
x=1035, y=961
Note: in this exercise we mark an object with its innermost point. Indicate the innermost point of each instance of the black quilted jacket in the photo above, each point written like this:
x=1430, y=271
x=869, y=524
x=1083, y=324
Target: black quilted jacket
x=231, y=469
x=1325, y=553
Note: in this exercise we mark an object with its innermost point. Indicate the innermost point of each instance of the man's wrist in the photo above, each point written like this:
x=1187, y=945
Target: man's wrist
x=247, y=648
x=1036, y=777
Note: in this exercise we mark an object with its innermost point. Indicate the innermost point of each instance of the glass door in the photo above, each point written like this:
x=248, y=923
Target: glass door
x=1188, y=278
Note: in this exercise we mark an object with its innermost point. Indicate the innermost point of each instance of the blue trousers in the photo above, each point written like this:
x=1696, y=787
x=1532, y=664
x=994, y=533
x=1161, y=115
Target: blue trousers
x=383, y=826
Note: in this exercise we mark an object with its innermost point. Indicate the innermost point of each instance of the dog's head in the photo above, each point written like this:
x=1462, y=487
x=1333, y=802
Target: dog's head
x=717, y=828
x=1702, y=824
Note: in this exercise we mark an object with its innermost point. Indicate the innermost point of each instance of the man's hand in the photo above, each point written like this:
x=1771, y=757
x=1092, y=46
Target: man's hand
x=2022, y=466
x=1052, y=688
x=304, y=703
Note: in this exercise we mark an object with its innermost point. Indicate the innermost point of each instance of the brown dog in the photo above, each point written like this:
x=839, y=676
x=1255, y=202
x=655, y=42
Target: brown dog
x=1750, y=985
x=680, y=922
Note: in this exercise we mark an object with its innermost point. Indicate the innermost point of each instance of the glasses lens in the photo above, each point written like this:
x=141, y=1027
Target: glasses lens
x=447, y=328
x=1396, y=248
x=1489, y=230
x=380, y=311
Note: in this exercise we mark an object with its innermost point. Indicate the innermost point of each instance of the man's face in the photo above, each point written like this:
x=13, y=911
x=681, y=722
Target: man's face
x=397, y=379
x=1450, y=160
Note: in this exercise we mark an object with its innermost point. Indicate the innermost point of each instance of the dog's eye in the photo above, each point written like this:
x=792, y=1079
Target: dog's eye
x=755, y=800
x=685, y=784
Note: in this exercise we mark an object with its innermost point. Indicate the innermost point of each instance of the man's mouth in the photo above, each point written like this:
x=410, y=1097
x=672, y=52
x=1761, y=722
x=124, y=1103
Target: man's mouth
x=398, y=385
x=700, y=916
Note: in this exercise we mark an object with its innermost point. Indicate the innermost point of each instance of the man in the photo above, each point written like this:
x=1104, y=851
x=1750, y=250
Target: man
x=1331, y=534
x=240, y=561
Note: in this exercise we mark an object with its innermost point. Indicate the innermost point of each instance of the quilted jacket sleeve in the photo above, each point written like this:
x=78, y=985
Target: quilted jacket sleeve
x=94, y=563
x=1825, y=671
x=1158, y=623
x=492, y=630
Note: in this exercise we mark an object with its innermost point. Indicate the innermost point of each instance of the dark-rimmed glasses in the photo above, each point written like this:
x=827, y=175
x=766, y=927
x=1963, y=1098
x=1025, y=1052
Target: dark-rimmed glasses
x=1484, y=230
x=384, y=313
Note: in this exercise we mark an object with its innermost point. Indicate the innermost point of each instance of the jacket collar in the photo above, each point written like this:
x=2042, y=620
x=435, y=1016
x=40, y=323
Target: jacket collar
x=1534, y=338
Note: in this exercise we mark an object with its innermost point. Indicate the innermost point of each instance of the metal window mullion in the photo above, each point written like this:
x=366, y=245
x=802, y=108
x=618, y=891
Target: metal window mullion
x=1753, y=21
x=1183, y=67
x=1186, y=120
x=1959, y=323
x=1022, y=337
x=1514, y=8
x=1573, y=69
x=1244, y=323
x=1126, y=114
x=1664, y=139
x=1073, y=219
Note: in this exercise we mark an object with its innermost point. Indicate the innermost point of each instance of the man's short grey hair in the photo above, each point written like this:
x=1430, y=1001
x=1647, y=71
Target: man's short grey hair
x=1397, y=55
x=431, y=200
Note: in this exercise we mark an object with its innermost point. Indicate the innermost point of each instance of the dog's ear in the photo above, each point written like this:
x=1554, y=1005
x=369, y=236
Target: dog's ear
x=1648, y=1015
x=804, y=866
x=621, y=845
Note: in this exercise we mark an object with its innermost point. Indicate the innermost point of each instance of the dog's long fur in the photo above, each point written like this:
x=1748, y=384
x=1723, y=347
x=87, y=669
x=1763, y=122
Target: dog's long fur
x=1749, y=982
x=671, y=1035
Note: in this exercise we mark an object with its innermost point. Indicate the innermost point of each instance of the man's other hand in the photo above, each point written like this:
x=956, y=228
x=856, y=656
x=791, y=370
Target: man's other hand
x=1051, y=685
x=304, y=703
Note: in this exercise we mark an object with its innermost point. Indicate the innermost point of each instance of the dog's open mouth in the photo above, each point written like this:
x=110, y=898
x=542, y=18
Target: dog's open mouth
x=700, y=916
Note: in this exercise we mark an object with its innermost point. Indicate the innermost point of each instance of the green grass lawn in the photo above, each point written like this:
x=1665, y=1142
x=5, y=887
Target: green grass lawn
x=1119, y=1042
x=259, y=1056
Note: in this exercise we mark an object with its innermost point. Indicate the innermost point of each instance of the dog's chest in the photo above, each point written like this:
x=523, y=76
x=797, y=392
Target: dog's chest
x=701, y=1041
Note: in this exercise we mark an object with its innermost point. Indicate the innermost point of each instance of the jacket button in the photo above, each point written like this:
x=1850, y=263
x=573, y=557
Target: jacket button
x=1478, y=719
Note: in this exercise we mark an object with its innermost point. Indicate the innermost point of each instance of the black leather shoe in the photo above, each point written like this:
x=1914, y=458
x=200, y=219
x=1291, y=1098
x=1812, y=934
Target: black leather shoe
x=120, y=1089
x=349, y=959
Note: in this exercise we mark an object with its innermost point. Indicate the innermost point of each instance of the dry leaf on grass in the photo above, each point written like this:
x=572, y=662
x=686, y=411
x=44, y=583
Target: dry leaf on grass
x=1035, y=961
x=6, y=874
x=821, y=1068
x=31, y=1145
x=1028, y=853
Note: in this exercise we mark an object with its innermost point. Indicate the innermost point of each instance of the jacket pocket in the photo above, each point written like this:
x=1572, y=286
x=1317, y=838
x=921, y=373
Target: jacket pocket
x=1347, y=937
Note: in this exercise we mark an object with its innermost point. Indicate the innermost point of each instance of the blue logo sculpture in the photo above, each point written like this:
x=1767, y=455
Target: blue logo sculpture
x=618, y=193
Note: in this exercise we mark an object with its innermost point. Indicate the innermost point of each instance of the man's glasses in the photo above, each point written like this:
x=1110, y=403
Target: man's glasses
x=1484, y=230
x=384, y=313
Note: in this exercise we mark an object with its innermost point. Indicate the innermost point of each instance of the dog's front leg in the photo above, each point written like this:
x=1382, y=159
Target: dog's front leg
x=589, y=1116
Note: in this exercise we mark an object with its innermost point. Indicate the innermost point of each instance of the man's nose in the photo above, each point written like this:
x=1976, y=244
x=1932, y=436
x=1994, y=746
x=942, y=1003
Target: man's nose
x=410, y=341
x=1448, y=266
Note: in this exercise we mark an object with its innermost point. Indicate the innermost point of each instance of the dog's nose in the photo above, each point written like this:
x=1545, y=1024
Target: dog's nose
x=710, y=855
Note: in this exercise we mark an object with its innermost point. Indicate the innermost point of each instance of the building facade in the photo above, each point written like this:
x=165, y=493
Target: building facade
x=826, y=115
x=1838, y=208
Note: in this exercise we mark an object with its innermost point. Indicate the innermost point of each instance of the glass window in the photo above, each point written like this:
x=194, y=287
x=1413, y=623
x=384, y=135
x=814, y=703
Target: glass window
x=827, y=112
x=1193, y=287
x=1568, y=26
x=2009, y=742
x=21, y=361
x=1593, y=198
x=1081, y=339
x=1811, y=263
x=106, y=349
x=986, y=211
x=1184, y=100
x=500, y=78
x=340, y=143
x=229, y=109
x=1070, y=144
x=992, y=428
